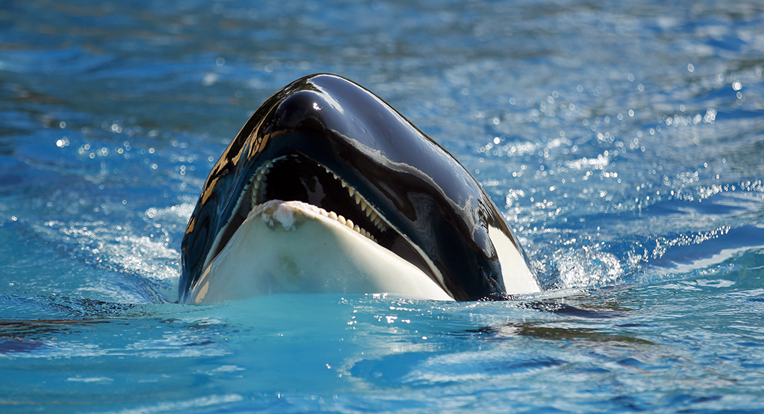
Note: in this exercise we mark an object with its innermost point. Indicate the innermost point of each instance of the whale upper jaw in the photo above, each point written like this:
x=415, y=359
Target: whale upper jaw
x=295, y=247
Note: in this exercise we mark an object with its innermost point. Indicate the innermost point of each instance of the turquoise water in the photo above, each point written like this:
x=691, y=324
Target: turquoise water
x=623, y=143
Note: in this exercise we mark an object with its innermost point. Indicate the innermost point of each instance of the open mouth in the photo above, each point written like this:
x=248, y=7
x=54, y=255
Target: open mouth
x=297, y=178
x=300, y=179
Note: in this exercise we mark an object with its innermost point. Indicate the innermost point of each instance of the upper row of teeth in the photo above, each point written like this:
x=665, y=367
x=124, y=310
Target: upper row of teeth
x=363, y=204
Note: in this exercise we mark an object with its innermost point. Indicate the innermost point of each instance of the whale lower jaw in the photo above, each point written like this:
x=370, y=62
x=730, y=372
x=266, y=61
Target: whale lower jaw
x=290, y=247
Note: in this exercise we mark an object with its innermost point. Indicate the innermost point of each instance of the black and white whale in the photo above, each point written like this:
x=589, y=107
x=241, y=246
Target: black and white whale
x=329, y=189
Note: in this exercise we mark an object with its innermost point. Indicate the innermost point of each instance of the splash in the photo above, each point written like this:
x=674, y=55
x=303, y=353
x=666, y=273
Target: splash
x=586, y=267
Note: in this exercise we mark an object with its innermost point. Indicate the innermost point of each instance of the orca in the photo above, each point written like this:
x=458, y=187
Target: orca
x=328, y=189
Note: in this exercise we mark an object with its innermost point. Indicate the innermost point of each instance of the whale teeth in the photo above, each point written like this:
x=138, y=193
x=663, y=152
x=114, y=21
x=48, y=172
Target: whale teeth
x=258, y=181
x=340, y=219
x=379, y=224
x=363, y=204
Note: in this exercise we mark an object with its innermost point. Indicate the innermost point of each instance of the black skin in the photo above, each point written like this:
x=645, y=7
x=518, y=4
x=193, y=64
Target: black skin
x=416, y=184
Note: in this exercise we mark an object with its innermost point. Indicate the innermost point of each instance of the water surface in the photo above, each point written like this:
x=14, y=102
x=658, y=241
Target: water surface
x=622, y=142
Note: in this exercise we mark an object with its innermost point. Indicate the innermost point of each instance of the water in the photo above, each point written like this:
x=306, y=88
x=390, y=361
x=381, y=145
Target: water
x=623, y=142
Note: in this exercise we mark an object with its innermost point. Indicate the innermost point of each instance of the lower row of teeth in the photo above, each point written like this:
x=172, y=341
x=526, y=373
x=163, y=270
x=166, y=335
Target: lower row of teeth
x=342, y=220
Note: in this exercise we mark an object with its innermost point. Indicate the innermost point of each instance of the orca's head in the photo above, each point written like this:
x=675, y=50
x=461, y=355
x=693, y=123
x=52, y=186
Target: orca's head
x=328, y=142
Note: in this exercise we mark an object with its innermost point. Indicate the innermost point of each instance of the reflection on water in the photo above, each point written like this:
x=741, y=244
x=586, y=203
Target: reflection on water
x=563, y=333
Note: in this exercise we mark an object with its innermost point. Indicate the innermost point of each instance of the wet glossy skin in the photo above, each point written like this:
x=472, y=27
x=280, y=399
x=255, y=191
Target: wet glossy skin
x=418, y=186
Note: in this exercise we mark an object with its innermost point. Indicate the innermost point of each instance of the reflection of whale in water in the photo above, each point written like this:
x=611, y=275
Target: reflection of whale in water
x=328, y=189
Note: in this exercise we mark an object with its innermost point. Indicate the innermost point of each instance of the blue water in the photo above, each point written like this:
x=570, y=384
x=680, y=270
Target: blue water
x=623, y=142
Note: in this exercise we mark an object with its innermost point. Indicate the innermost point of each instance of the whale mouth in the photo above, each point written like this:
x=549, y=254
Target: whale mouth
x=295, y=177
x=300, y=179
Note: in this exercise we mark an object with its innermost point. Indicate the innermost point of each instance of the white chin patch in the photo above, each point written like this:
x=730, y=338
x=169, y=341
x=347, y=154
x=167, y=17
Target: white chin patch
x=294, y=247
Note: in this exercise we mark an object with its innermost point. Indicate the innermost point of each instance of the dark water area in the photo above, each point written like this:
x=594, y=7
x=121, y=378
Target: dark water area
x=622, y=142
